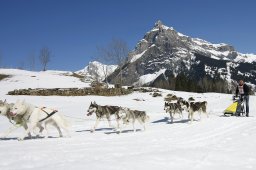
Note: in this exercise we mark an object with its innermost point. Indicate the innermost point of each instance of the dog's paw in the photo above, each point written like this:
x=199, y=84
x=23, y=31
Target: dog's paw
x=3, y=137
x=20, y=139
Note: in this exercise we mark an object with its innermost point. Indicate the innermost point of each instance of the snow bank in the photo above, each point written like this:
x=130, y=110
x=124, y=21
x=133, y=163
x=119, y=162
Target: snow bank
x=49, y=79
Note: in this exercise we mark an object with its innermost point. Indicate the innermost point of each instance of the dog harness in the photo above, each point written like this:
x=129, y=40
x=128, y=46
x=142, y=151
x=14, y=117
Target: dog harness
x=48, y=114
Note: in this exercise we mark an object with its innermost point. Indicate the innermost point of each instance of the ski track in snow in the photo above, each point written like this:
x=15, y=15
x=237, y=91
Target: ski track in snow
x=209, y=143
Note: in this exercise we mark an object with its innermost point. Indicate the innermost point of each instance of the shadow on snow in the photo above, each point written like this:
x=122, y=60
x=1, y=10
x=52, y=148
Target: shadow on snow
x=166, y=120
x=27, y=138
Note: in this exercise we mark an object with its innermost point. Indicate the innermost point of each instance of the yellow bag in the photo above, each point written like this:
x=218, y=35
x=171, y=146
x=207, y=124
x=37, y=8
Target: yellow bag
x=231, y=109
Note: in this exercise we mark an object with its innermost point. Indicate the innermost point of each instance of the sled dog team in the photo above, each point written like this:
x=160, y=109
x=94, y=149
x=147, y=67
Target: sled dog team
x=190, y=106
x=35, y=119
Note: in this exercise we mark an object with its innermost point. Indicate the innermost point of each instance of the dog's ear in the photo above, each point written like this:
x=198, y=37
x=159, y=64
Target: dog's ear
x=94, y=102
x=23, y=101
x=5, y=101
x=18, y=101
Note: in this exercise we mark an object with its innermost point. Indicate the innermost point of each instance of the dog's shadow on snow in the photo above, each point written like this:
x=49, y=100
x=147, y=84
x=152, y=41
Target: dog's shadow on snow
x=180, y=121
x=164, y=120
x=111, y=131
x=27, y=138
x=6, y=139
x=123, y=131
x=100, y=129
x=167, y=121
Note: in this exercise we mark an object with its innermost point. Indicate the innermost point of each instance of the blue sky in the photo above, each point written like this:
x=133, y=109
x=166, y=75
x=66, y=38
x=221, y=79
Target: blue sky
x=73, y=28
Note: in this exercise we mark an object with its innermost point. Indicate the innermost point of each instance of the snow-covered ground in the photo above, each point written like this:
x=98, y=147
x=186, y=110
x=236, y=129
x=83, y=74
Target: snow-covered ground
x=20, y=79
x=213, y=143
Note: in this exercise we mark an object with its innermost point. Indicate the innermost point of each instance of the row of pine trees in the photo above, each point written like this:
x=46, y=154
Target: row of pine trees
x=183, y=83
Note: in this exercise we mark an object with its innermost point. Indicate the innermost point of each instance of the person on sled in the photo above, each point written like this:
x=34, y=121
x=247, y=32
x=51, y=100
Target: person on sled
x=243, y=90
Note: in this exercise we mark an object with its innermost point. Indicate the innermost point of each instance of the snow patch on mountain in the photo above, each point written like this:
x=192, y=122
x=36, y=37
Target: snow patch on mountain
x=249, y=58
x=96, y=71
x=145, y=79
x=137, y=56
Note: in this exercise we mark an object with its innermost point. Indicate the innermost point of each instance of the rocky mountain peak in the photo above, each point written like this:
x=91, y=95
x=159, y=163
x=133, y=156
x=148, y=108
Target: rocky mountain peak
x=164, y=52
x=158, y=24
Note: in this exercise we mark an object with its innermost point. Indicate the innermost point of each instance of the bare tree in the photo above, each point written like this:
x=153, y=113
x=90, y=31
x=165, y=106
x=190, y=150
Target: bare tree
x=21, y=65
x=116, y=52
x=105, y=58
x=45, y=57
x=32, y=61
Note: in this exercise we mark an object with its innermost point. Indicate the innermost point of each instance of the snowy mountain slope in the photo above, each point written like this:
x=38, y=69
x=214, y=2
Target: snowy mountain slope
x=96, y=70
x=165, y=48
x=213, y=143
x=48, y=79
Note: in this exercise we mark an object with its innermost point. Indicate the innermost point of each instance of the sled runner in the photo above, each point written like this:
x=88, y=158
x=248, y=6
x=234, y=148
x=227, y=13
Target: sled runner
x=236, y=108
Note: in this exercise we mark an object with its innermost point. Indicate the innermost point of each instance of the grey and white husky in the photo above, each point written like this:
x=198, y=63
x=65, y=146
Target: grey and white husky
x=173, y=108
x=103, y=112
x=127, y=115
x=197, y=107
x=192, y=107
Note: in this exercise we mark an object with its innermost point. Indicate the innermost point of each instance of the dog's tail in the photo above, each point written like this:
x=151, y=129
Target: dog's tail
x=205, y=106
x=66, y=122
x=147, y=118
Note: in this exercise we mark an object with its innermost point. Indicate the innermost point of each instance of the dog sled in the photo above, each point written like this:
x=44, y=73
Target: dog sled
x=236, y=108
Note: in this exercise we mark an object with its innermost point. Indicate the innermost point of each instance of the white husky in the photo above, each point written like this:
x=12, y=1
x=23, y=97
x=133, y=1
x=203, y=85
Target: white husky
x=17, y=121
x=33, y=116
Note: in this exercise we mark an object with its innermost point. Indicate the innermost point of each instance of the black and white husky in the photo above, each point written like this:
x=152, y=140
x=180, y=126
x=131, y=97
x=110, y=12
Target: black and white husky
x=173, y=108
x=103, y=112
x=193, y=107
x=197, y=107
x=127, y=115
